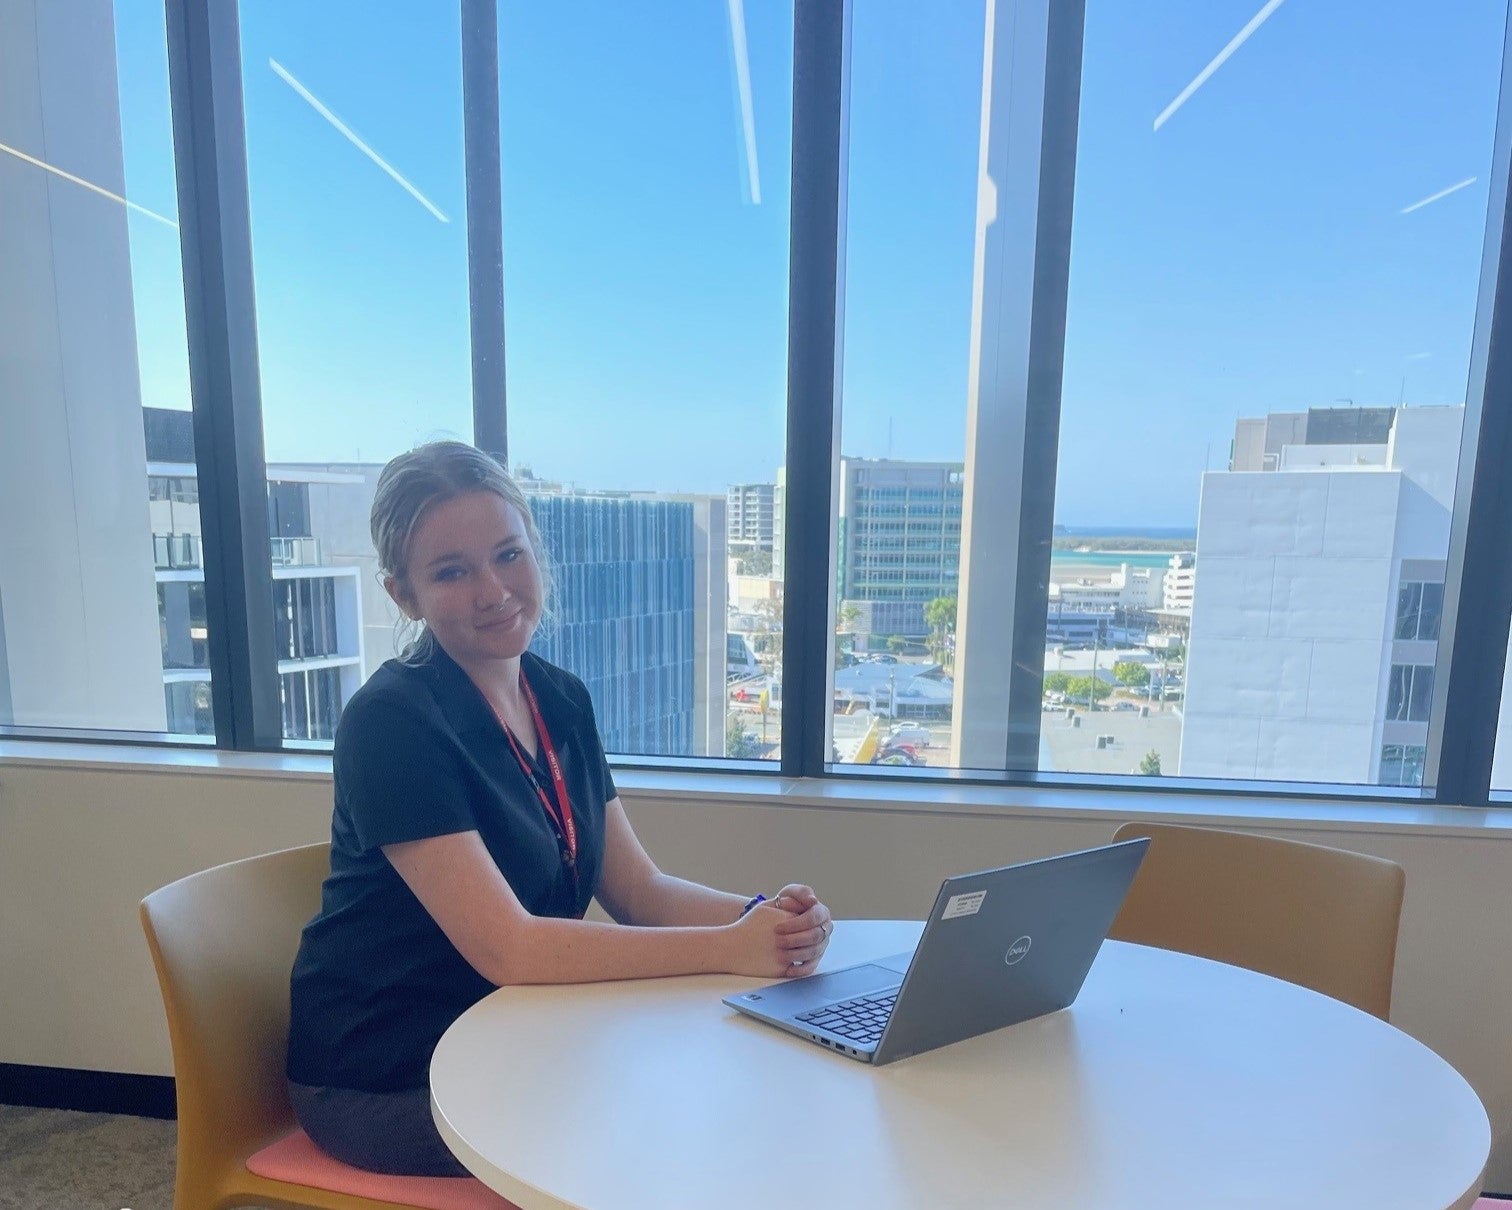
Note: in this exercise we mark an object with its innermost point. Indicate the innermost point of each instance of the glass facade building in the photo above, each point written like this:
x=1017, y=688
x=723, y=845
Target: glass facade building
x=624, y=610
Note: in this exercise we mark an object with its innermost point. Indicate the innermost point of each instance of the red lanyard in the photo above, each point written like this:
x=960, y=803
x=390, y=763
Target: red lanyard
x=559, y=812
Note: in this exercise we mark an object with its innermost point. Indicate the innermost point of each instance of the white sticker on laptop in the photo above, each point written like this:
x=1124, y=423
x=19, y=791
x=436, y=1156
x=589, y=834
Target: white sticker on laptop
x=963, y=905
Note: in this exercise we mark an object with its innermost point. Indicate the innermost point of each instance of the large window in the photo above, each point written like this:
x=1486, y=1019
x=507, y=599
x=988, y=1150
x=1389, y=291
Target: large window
x=97, y=630
x=1269, y=306
x=1160, y=338
x=357, y=179
x=646, y=225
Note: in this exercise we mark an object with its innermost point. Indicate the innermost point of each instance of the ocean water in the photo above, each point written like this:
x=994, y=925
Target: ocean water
x=1125, y=531
x=1109, y=558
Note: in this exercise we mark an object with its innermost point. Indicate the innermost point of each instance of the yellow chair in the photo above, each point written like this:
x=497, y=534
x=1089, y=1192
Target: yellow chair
x=1320, y=917
x=223, y=942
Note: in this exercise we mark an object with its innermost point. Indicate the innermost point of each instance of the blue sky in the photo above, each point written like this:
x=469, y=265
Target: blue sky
x=1248, y=256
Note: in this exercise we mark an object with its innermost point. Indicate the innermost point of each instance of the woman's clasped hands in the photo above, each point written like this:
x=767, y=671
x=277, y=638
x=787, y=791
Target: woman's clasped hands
x=783, y=937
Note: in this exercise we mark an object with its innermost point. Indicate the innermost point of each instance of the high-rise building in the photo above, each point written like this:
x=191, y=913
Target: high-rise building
x=638, y=607
x=1314, y=637
x=317, y=606
x=1179, y=586
x=78, y=629
x=640, y=614
x=750, y=511
x=899, y=539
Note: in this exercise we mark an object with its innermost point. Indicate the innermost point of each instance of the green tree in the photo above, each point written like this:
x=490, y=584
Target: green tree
x=755, y=563
x=739, y=743
x=1149, y=765
x=896, y=643
x=767, y=641
x=1132, y=674
x=1056, y=682
x=940, y=614
x=1077, y=688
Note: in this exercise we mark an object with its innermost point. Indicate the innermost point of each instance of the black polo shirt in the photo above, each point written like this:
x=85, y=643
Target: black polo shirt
x=420, y=753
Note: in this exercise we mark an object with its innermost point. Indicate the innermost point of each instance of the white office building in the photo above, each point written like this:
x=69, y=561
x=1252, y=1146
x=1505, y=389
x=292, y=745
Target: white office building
x=1313, y=642
x=750, y=516
x=1179, y=585
x=1127, y=588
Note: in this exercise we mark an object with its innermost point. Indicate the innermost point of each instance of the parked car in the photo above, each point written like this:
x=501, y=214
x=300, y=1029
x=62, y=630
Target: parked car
x=896, y=754
x=910, y=733
x=1125, y=706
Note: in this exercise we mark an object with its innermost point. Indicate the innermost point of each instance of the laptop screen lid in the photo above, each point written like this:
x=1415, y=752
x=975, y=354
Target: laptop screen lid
x=1002, y=946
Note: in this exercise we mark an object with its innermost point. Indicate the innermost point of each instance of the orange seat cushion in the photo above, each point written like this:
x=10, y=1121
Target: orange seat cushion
x=297, y=1161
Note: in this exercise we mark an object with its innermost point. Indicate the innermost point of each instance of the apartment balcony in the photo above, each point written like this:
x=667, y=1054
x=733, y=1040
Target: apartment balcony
x=296, y=552
x=184, y=552
x=176, y=552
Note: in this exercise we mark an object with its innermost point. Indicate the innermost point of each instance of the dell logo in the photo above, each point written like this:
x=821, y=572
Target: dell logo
x=1017, y=950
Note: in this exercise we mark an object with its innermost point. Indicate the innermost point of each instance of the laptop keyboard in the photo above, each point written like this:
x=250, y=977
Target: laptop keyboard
x=861, y=1020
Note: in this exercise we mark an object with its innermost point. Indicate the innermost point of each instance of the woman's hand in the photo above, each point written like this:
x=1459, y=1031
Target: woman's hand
x=806, y=931
x=762, y=944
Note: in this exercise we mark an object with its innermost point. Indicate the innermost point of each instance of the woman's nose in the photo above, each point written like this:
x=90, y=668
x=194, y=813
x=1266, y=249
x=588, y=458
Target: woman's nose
x=492, y=590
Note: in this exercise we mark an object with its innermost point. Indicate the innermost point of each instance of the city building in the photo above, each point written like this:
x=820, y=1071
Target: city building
x=899, y=540
x=1258, y=443
x=1126, y=588
x=638, y=606
x=750, y=513
x=640, y=614
x=1179, y=585
x=317, y=606
x=1313, y=642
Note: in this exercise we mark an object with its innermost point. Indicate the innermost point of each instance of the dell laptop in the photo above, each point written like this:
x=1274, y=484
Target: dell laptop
x=999, y=947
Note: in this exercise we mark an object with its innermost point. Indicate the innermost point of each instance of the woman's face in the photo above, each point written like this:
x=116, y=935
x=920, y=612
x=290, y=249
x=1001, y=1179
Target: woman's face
x=473, y=578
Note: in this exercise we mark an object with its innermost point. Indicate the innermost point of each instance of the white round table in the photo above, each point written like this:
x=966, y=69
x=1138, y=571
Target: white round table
x=1172, y=1082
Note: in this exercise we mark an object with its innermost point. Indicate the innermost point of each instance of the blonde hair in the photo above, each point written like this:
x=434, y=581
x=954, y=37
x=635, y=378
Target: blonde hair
x=414, y=483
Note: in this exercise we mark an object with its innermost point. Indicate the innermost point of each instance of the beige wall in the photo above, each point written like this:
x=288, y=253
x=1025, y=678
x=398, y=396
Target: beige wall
x=80, y=847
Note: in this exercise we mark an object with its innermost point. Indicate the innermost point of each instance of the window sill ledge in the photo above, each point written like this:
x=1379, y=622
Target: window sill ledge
x=1298, y=813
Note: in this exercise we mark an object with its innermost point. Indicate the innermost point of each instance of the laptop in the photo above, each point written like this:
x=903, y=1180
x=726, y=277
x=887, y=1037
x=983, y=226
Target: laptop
x=999, y=947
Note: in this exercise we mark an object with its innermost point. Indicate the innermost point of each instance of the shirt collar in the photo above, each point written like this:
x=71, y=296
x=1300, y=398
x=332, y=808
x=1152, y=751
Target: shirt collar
x=465, y=707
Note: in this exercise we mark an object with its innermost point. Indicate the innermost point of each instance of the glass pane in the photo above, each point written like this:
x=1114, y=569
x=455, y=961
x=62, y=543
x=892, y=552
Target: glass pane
x=1501, y=766
x=1284, y=282
x=101, y=602
x=909, y=230
x=1409, y=610
x=1433, y=612
x=359, y=232
x=1275, y=258
x=646, y=223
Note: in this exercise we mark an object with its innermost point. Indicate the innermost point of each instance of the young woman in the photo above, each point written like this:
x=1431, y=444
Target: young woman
x=475, y=819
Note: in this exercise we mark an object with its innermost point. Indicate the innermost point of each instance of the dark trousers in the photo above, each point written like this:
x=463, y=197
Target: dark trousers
x=388, y=1132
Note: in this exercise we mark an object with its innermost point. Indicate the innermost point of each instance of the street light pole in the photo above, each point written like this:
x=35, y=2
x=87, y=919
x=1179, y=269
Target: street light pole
x=1092, y=682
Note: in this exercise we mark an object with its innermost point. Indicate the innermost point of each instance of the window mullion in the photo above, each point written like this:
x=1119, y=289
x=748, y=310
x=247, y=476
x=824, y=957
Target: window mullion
x=485, y=222
x=209, y=136
x=1473, y=633
x=815, y=289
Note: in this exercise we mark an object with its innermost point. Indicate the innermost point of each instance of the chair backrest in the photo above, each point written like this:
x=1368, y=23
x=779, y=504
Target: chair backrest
x=1321, y=917
x=223, y=942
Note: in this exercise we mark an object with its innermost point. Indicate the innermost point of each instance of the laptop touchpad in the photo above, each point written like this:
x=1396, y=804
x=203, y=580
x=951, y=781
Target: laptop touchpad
x=843, y=984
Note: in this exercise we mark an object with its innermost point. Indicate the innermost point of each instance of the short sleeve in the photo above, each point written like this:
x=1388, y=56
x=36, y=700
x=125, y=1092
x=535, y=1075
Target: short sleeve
x=399, y=776
x=593, y=743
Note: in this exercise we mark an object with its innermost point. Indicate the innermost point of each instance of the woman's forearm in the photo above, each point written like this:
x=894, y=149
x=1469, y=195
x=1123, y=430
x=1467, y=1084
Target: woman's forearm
x=668, y=902
x=546, y=949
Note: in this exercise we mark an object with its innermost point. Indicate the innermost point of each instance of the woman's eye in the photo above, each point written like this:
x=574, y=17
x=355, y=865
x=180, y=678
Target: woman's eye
x=510, y=555
x=448, y=573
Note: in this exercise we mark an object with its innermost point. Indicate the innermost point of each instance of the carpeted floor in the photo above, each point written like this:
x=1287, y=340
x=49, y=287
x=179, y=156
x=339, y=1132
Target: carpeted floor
x=54, y=1159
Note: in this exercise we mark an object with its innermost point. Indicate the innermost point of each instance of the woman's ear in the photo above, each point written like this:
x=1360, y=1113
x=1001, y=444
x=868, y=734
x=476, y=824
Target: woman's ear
x=401, y=597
